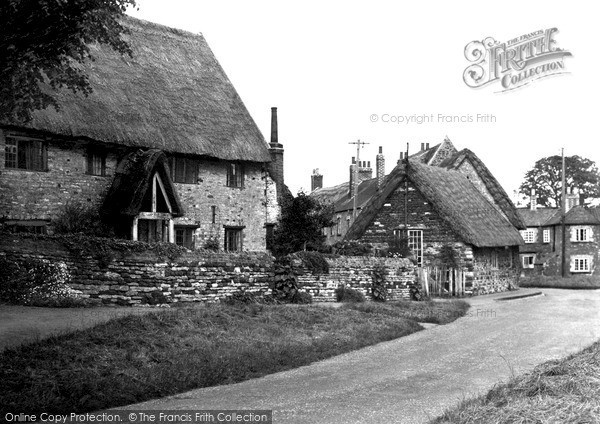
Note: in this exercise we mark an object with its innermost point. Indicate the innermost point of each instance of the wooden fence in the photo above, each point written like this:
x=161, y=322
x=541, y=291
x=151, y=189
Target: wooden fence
x=442, y=281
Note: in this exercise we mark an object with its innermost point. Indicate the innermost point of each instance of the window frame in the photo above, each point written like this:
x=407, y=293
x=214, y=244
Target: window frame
x=190, y=231
x=546, y=235
x=90, y=155
x=525, y=233
x=175, y=164
x=530, y=256
x=239, y=235
x=414, y=239
x=235, y=179
x=579, y=230
x=16, y=143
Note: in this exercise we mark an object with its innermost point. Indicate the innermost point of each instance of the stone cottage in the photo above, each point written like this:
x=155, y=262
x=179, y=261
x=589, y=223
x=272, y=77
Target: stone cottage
x=441, y=203
x=164, y=148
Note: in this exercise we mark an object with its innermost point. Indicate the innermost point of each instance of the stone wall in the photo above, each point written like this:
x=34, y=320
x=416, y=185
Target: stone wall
x=356, y=272
x=142, y=277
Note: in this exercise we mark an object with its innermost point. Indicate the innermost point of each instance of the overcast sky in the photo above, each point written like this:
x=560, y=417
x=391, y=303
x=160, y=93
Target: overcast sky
x=330, y=66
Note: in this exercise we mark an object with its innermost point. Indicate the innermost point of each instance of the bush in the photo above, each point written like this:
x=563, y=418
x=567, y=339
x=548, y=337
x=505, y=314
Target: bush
x=302, y=298
x=79, y=217
x=378, y=286
x=345, y=294
x=352, y=248
x=36, y=282
x=212, y=243
x=314, y=261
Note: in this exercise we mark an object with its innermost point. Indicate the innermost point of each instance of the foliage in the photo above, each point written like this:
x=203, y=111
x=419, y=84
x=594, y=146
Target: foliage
x=398, y=246
x=80, y=217
x=212, y=243
x=314, y=261
x=447, y=256
x=245, y=297
x=284, y=285
x=378, y=286
x=300, y=228
x=44, y=45
x=36, y=282
x=581, y=175
x=346, y=294
x=352, y=248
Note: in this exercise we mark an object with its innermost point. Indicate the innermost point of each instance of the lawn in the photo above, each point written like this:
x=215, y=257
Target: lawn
x=563, y=391
x=585, y=282
x=140, y=357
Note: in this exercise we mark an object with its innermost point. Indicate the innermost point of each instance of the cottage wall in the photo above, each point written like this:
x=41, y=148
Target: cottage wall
x=40, y=195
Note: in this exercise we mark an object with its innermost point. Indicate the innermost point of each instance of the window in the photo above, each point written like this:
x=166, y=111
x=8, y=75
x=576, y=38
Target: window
x=233, y=239
x=528, y=235
x=415, y=244
x=96, y=163
x=581, y=263
x=235, y=175
x=32, y=227
x=547, y=236
x=184, y=170
x=184, y=236
x=25, y=154
x=213, y=214
x=348, y=223
x=494, y=259
x=338, y=226
x=581, y=234
x=331, y=230
x=528, y=261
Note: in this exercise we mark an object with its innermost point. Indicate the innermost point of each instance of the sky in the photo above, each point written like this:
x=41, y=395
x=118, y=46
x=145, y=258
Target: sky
x=339, y=72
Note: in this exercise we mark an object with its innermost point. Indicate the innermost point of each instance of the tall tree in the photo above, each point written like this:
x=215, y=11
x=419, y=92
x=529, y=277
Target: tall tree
x=43, y=44
x=581, y=176
x=302, y=220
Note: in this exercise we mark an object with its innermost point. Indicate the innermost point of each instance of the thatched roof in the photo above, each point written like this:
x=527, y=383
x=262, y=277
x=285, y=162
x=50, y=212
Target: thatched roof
x=577, y=215
x=132, y=181
x=171, y=95
x=493, y=186
x=536, y=217
x=472, y=217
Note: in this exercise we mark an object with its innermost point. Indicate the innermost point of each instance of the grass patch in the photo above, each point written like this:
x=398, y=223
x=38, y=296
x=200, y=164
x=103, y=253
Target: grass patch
x=564, y=391
x=137, y=358
x=585, y=282
x=435, y=312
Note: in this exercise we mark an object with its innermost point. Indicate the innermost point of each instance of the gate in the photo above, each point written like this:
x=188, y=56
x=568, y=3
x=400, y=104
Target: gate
x=442, y=281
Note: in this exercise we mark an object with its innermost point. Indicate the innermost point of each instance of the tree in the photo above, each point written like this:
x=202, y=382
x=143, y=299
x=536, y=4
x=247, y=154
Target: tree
x=43, y=45
x=302, y=220
x=581, y=176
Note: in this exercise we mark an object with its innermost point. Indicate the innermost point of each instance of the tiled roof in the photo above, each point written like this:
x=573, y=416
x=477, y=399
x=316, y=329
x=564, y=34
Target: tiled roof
x=575, y=216
x=537, y=217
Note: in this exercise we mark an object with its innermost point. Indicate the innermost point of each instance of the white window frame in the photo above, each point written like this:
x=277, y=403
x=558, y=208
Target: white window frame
x=581, y=263
x=415, y=244
x=528, y=235
x=581, y=234
x=528, y=265
x=546, y=235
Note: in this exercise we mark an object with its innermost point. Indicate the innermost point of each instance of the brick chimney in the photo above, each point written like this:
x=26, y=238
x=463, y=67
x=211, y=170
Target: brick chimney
x=351, y=180
x=365, y=172
x=276, y=151
x=380, y=167
x=533, y=200
x=316, y=180
x=401, y=158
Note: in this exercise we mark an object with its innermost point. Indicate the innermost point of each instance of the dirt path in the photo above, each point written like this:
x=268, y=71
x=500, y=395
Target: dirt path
x=413, y=379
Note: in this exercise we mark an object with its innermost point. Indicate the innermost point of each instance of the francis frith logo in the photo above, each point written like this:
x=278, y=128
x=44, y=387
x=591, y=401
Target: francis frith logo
x=516, y=62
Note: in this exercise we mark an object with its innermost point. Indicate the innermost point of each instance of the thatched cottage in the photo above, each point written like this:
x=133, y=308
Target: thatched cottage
x=445, y=205
x=164, y=147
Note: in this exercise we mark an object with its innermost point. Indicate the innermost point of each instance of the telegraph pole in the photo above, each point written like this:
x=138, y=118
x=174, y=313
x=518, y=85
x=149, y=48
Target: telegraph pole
x=563, y=213
x=359, y=144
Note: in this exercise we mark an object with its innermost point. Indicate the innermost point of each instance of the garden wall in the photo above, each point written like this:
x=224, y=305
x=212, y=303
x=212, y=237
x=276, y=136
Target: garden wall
x=128, y=273
x=356, y=272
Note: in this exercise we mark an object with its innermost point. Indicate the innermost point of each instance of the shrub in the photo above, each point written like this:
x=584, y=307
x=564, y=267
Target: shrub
x=302, y=298
x=314, y=261
x=36, y=282
x=352, y=248
x=212, y=243
x=79, y=217
x=345, y=294
x=378, y=286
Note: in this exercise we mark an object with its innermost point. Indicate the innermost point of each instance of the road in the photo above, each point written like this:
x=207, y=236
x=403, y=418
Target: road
x=413, y=379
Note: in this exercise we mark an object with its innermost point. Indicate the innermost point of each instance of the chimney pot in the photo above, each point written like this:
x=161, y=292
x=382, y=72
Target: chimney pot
x=368, y=164
x=426, y=146
x=380, y=150
x=353, y=160
x=422, y=146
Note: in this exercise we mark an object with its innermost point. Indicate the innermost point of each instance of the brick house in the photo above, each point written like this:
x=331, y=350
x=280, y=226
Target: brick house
x=542, y=252
x=439, y=200
x=164, y=148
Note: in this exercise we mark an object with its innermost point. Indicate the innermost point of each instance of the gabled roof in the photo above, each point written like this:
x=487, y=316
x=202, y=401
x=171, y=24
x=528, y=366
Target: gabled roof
x=132, y=181
x=171, y=95
x=338, y=195
x=577, y=215
x=536, y=217
x=492, y=185
x=437, y=154
x=454, y=197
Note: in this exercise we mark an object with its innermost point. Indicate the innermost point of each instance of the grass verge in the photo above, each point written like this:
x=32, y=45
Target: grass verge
x=563, y=391
x=137, y=358
x=435, y=312
x=585, y=282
